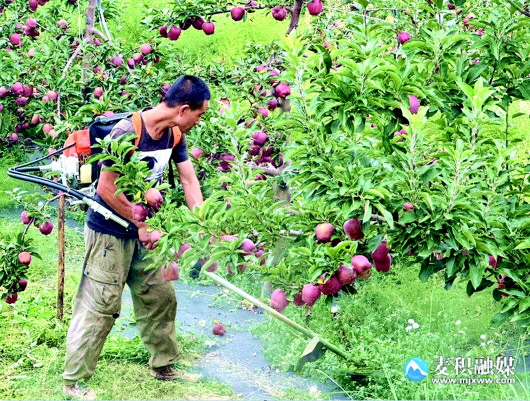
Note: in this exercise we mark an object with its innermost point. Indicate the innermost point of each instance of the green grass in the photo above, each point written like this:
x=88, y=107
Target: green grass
x=371, y=326
x=225, y=46
x=10, y=159
x=33, y=339
x=112, y=381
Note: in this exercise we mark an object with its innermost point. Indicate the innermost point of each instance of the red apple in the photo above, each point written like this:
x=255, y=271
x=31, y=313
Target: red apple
x=219, y=329
x=353, y=229
x=171, y=272
x=46, y=228
x=310, y=294
x=237, y=13
x=360, y=264
x=324, y=231
x=24, y=258
x=279, y=300
x=208, y=28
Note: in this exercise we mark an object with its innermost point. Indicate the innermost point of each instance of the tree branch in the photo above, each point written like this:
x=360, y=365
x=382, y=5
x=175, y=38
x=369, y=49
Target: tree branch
x=519, y=8
x=100, y=34
x=269, y=170
x=72, y=58
x=295, y=15
x=87, y=59
x=227, y=11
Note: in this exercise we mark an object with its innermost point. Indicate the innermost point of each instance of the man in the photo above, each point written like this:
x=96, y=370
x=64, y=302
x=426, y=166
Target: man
x=114, y=256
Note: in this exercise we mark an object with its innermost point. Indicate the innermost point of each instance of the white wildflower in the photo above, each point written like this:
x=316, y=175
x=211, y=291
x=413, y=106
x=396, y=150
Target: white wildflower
x=415, y=325
x=411, y=321
x=458, y=322
x=313, y=390
x=202, y=323
x=408, y=328
x=483, y=336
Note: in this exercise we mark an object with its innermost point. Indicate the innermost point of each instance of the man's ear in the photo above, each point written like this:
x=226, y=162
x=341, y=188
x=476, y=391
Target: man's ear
x=183, y=108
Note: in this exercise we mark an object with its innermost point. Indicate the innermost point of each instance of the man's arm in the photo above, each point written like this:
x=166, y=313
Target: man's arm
x=106, y=189
x=190, y=184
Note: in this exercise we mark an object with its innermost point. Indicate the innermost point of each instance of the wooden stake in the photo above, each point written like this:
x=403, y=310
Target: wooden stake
x=60, y=269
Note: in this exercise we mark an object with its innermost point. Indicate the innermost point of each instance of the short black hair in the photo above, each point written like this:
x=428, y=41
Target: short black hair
x=189, y=90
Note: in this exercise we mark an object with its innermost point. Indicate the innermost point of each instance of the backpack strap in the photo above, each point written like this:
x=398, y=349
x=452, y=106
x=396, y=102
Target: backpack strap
x=137, y=123
x=177, y=136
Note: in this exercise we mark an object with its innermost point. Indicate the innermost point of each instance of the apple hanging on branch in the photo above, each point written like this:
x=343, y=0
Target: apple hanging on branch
x=170, y=23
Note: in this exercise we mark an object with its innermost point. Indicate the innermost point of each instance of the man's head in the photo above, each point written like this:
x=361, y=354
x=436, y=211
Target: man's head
x=189, y=96
x=188, y=90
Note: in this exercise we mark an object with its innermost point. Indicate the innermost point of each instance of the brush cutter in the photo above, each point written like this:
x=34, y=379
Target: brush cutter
x=72, y=171
x=317, y=345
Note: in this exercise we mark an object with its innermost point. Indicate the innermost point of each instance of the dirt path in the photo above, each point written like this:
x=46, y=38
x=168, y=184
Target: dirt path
x=236, y=358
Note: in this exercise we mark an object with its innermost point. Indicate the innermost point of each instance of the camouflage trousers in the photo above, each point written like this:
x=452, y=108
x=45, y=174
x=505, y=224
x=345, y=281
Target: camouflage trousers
x=110, y=262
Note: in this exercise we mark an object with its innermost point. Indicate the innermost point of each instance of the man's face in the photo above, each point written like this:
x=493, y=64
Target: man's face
x=189, y=118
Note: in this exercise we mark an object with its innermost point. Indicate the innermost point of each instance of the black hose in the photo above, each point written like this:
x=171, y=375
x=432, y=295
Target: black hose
x=25, y=169
x=15, y=173
x=44, y=157
x=18, y=172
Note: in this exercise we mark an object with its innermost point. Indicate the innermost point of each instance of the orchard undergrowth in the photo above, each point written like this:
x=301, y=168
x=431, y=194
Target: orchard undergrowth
x=407, y=122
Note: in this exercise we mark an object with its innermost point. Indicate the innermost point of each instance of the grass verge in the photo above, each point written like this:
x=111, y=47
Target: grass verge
x=372, y=327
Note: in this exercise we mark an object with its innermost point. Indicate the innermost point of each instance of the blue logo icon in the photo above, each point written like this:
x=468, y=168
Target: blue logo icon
x=416, y=369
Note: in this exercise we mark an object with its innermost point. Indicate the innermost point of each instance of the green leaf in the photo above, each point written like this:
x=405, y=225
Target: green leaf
x=374, y=192
x=524, y=304
x=524, y=88
x=450, y=267
x=468, y=90
x=523, y=245
x=316, y=274
x=497, y=294
x=483, y=247
x=386, y=214
x=476, y=274
x=408, y=217
x=427, y=270
x=467, y=233
x=367, y=212
x=427, y=198
x=500, y=318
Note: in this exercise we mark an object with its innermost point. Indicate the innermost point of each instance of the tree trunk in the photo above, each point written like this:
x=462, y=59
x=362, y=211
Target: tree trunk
x=88, y=38
x=295, y=15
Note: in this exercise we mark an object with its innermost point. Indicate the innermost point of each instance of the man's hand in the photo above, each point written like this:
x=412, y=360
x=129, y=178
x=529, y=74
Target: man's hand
x=106, y=189
x=148, y=239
